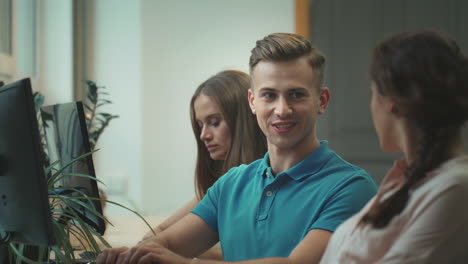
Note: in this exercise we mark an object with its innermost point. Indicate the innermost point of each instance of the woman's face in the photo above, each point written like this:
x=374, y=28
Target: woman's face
x=384, y=120
x=214, y=128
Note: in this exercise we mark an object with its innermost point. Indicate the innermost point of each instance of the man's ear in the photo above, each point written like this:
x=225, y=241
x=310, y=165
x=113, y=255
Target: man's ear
x=390, y=104
x=392, y=108
x=251, y=99
x=324, y=98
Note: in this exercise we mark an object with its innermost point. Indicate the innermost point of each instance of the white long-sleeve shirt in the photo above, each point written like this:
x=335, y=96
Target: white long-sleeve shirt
x=433, y=227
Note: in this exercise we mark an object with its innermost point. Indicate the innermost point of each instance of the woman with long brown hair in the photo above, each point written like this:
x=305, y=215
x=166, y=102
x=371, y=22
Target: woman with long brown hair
x=419, y=105
x=226, y=91
x=226, y=132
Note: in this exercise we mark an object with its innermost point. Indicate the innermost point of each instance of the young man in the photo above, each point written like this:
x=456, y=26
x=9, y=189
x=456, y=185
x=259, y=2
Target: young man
x=284, y=207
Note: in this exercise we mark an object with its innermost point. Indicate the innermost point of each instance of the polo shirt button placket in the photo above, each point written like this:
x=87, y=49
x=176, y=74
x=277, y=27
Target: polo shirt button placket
x=265, y=205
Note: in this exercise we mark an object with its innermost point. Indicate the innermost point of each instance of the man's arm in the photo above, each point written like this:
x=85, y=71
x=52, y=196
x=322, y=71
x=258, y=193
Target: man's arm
x=213, y=253
x=309, y=250
x=189, y=237
x=312, y=247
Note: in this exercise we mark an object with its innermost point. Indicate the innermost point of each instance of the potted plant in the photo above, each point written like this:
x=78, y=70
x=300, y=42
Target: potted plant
x=64, y=251
x=74, y=229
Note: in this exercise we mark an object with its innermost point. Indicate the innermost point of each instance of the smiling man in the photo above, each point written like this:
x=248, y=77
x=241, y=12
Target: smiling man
x=282, y=208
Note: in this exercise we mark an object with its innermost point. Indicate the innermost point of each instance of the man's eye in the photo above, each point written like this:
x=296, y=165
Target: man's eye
x=296, y=95
x=269, y=95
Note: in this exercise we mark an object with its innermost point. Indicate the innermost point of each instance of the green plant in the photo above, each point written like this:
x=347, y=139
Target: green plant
x=76, y=227
x=96, y=120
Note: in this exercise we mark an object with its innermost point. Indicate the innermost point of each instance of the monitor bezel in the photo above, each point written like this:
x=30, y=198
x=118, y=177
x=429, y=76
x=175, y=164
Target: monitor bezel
x=100, y=226
x=31, y=221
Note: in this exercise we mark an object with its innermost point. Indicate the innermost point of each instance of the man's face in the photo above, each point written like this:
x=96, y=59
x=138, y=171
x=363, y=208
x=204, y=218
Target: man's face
x=286, y=102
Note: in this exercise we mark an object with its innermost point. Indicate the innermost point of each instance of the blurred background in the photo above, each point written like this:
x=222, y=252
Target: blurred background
x=152, y=54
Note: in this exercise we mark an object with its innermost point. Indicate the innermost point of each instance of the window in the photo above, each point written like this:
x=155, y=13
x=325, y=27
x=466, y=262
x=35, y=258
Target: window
x=7, y=58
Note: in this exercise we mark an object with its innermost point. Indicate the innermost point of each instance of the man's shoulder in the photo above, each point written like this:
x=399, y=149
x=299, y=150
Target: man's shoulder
x=340, y=168
x=326, y=163
x=339, y=174
x=246, y=167
x=244, y=171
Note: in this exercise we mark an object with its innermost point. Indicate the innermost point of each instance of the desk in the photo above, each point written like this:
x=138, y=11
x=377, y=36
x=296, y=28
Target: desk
x=127, y=230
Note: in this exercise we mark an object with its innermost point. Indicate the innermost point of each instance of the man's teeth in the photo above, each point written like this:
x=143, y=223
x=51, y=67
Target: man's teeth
x=284, y=125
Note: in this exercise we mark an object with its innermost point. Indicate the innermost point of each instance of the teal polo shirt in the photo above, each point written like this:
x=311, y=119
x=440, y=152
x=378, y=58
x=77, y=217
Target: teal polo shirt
x=257, y=215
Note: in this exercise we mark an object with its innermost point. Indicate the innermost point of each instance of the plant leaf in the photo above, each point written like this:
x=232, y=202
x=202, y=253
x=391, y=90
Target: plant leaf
x=56, y=177
x=20, y=256
x=85, y=176
x=135, y=212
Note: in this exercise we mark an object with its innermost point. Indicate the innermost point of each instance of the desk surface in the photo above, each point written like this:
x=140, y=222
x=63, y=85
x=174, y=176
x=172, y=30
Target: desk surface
x=128, y=230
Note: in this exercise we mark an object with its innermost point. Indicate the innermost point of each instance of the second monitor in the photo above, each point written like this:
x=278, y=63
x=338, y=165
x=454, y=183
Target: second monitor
x=67, y=138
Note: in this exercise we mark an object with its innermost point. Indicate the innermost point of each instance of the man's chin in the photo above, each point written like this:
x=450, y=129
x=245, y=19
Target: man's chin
x=283, y=144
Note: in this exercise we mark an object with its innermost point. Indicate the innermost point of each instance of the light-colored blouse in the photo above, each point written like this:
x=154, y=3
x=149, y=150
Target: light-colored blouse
x=433, y=227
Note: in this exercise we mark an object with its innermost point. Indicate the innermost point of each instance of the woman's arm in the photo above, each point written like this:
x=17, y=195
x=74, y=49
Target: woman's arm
x=214, y=253
x=179, y=214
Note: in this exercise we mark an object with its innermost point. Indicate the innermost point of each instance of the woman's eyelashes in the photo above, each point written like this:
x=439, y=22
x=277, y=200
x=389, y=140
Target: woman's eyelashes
x=214, y=122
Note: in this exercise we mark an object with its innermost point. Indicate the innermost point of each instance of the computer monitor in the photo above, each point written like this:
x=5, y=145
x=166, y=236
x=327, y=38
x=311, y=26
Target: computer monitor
x=67, y=138
x=25, y=214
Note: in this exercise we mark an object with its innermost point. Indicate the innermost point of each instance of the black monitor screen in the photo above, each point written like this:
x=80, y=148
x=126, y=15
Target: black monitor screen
x=25, y=214
x=67, y=138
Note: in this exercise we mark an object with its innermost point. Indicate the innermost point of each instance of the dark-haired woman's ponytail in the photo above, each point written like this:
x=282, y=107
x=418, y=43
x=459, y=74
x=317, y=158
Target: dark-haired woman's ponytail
x=432, y=150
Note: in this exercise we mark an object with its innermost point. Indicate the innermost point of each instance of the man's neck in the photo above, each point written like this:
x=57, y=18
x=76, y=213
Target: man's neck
x=282, y=159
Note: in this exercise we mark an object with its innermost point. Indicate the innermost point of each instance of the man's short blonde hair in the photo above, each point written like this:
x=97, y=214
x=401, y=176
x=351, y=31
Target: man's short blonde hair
x=285, y=47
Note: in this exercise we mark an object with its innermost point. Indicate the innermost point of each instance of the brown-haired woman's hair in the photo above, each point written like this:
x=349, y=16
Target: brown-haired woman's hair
x=228, y=89
x=285, y=47
x=427, y=76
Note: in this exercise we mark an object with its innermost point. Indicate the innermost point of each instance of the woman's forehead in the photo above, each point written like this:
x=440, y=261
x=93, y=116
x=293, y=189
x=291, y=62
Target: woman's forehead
x=205, y=107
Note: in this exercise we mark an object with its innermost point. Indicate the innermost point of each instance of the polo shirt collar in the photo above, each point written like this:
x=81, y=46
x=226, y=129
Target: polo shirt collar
x=308, y=166
x=264, y=169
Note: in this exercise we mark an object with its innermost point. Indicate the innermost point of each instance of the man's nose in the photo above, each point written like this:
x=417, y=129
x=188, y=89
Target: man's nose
x=282, y=107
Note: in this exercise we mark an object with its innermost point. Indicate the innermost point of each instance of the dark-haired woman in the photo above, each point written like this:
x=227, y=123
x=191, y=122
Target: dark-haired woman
x=419, y=105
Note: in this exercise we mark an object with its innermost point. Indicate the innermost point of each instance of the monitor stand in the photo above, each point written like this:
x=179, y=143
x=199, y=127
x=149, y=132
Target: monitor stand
x=3, y=165
x=3, y=254
x=31, y=252
x=81, y=257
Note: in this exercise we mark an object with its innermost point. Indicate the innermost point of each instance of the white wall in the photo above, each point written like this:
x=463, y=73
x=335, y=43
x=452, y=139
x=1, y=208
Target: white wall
x=152, y=55
x=185, y=42
x=113, y=59
x=55, y=51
